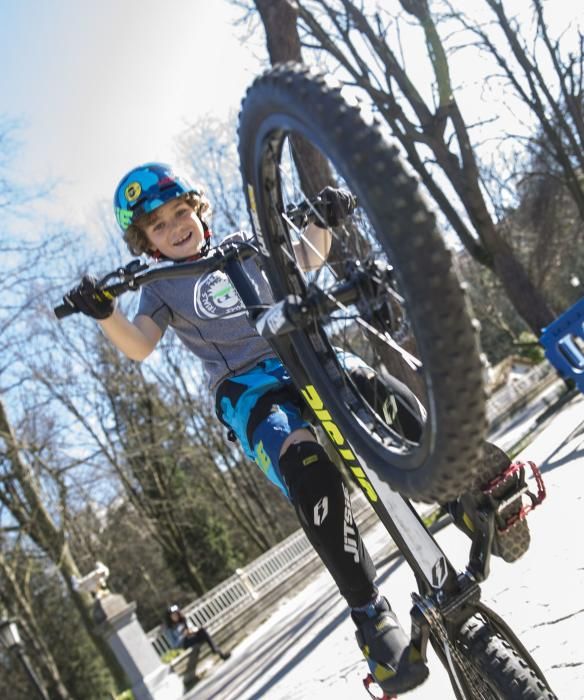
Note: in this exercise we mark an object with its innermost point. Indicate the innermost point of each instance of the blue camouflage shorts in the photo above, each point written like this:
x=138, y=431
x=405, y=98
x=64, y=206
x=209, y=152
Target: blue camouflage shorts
x=262, y=408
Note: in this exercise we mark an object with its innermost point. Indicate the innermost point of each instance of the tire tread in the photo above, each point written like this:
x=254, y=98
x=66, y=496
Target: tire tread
x=424, y=263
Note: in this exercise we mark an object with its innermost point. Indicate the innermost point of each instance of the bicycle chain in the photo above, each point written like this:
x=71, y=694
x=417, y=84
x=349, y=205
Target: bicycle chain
x=456, y=660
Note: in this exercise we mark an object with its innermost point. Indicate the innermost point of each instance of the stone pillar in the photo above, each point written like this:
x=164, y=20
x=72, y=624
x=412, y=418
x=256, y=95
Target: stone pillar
x=117, y=622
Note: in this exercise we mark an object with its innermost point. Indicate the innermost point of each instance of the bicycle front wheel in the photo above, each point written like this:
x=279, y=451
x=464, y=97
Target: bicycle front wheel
x=407, y=316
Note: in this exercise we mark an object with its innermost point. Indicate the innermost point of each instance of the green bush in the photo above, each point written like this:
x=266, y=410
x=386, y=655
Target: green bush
x=528, y=347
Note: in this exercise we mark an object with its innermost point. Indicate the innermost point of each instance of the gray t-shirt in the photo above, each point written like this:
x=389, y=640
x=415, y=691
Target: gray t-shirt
x=209, y=317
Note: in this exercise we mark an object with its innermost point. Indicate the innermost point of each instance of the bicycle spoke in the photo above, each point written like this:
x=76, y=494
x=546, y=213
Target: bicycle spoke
x=386, y=268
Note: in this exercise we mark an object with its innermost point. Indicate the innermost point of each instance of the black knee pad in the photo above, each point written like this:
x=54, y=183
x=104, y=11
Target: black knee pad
x=317, y=489
x=306, y=465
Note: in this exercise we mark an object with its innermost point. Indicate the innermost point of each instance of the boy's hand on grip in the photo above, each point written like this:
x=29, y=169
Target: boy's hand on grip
x=334, y=206
x=90, y=300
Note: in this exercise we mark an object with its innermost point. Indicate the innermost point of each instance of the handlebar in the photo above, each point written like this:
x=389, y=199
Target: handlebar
x=136, y=273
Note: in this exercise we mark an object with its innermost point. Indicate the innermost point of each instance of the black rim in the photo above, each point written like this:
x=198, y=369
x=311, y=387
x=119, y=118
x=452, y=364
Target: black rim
x=373, y=326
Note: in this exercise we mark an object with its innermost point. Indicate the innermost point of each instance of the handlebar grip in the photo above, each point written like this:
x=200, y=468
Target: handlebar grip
x=64, y=310
x=115, y=290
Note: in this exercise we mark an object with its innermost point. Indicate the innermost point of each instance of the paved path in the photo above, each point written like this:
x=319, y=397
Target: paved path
x=306, y=649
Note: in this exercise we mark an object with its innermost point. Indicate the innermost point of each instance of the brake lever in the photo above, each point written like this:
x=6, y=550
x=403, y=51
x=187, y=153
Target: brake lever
x=125, y=273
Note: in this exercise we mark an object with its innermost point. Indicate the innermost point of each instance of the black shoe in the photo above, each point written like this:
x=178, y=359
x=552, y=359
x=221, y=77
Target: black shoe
x=225, y=656
x=394, y=663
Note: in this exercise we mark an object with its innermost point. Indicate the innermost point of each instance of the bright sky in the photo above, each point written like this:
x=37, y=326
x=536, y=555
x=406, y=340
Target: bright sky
x=102, y=86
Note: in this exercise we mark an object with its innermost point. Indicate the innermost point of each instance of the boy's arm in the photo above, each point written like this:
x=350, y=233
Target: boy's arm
x=333, y=207
x=135, y=339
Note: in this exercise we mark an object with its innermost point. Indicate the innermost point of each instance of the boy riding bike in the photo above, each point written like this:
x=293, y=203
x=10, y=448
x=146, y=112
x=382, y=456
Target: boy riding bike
x=162, y=216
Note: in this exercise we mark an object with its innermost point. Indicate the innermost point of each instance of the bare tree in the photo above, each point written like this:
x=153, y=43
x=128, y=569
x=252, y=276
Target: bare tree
x=553, y=95
x=115, y=534
x=209, y=148
x=153, y=429
x=22, y=496
x=434, y=135
x=15, y=596
x=33, y=490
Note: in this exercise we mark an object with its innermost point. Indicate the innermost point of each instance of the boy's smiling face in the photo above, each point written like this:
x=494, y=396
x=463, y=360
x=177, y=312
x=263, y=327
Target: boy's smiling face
x=174, y=229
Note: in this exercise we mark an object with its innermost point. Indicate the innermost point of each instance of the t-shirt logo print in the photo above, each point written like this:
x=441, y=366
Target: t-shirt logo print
x=215, y=296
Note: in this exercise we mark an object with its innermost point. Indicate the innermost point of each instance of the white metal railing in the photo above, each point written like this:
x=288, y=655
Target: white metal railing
x=225, y=601
x=502, y=400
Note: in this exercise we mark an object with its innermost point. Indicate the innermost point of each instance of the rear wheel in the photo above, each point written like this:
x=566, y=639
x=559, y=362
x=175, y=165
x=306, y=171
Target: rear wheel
x=404, y=314
x=493, y=669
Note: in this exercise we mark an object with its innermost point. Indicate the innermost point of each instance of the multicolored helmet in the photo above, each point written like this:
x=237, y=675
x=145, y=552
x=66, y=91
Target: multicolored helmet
x=146, y=188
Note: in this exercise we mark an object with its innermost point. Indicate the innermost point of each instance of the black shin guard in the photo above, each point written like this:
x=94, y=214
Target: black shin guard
x=322, y=503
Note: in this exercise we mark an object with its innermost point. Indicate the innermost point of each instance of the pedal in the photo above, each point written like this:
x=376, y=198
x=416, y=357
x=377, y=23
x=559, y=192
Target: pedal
x=498, y=482
x=368, y=682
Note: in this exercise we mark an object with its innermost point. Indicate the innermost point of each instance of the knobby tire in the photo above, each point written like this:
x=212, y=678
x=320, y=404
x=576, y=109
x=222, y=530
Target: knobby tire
x=293, y=100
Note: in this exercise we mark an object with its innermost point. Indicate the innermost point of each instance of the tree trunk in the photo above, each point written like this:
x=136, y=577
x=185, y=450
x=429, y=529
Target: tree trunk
x=528, y=301
x=28, y=509
x=283, y=42
x=279, y=19
x=42, y=655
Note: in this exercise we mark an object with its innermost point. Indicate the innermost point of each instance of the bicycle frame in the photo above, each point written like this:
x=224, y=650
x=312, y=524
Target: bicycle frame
x=401, y=520
x=447, y=598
